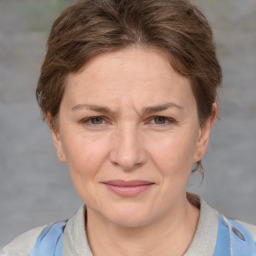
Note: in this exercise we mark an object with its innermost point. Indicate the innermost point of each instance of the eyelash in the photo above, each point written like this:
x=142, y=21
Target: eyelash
x=88, y=121
x=169, y=121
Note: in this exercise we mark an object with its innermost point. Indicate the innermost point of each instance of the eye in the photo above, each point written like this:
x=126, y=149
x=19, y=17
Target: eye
x=97, y=120
x=161, y=120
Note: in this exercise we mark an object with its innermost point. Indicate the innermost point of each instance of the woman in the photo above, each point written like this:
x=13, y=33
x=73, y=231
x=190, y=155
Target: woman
x=128, y=89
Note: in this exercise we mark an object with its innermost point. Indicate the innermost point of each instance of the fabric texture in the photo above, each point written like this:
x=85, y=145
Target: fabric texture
x=50, y=240
x=233, y=239
x=75, y=241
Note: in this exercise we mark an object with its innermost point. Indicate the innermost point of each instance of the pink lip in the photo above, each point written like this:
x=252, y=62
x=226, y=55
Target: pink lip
x=128, y=188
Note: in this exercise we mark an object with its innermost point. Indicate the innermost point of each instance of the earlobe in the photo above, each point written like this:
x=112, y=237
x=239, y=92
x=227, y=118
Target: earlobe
x=204, y=135
x=58, y=145
x=61, y=157
x=56, y=139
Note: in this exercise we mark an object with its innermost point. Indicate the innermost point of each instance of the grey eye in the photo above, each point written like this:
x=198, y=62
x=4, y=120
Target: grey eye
x=96, y=120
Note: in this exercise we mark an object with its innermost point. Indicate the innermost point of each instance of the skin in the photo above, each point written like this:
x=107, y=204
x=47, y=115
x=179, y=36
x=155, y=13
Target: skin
x=126, y=138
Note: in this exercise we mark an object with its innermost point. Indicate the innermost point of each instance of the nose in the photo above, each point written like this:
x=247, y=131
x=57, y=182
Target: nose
x=127, y=149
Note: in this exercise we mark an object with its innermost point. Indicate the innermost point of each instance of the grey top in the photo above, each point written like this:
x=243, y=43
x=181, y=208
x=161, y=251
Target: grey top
x=76, y=243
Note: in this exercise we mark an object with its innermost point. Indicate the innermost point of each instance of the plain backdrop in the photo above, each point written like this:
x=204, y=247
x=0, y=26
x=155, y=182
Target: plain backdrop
x=35, y=189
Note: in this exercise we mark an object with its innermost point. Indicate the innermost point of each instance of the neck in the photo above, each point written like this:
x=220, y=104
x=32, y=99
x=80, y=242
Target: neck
x=170, y=235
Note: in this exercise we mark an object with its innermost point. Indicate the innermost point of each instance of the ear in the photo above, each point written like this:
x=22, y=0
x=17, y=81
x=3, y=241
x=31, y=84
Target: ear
x=204, y=134
x=56, y=138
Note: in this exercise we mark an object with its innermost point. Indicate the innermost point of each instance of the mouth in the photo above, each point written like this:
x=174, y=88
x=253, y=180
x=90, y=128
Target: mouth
x=128, y=188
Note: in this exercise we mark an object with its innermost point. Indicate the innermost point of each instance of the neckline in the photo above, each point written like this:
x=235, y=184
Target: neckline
x=203, y=243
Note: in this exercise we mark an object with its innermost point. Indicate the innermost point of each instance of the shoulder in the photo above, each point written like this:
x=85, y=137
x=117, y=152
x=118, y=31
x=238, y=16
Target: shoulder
x=234, y=237
x=223, y=235
x=208, y=210
x=23, y=244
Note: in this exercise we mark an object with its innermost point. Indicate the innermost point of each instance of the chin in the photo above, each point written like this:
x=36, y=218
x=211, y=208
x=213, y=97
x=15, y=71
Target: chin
x=128, y=222
x=130, y=216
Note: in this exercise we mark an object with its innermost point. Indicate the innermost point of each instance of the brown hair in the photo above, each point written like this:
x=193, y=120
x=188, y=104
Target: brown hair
x=91, y=27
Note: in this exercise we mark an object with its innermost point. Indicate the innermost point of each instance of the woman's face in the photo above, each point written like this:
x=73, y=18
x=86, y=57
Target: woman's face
x=129, y=132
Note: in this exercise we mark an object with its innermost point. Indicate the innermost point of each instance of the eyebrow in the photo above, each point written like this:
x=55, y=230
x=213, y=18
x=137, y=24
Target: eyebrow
x=159, y=108
x=107, y=110
x=96, y=108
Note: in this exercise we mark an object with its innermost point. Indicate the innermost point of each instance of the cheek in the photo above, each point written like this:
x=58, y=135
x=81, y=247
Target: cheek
x=173, y=155
x=85, y=157
x=84, y=154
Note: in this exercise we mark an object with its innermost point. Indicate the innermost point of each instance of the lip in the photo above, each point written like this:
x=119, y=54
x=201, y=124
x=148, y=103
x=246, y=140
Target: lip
x=128, y=188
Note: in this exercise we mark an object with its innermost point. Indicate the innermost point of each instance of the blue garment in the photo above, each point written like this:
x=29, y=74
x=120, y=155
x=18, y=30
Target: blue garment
x=50, y=241
x=233, y=239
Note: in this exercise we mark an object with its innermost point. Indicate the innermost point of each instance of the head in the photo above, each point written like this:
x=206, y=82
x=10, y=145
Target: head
x=91, y=32
x=92, y=27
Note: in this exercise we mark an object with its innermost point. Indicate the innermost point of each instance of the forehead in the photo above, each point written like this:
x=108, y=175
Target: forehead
x=136, y=72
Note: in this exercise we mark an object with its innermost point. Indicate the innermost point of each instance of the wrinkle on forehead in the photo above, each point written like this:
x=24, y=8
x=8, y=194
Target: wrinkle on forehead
x=137, y=78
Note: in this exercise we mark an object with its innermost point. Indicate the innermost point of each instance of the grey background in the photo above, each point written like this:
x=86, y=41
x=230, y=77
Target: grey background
x=35, y=189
